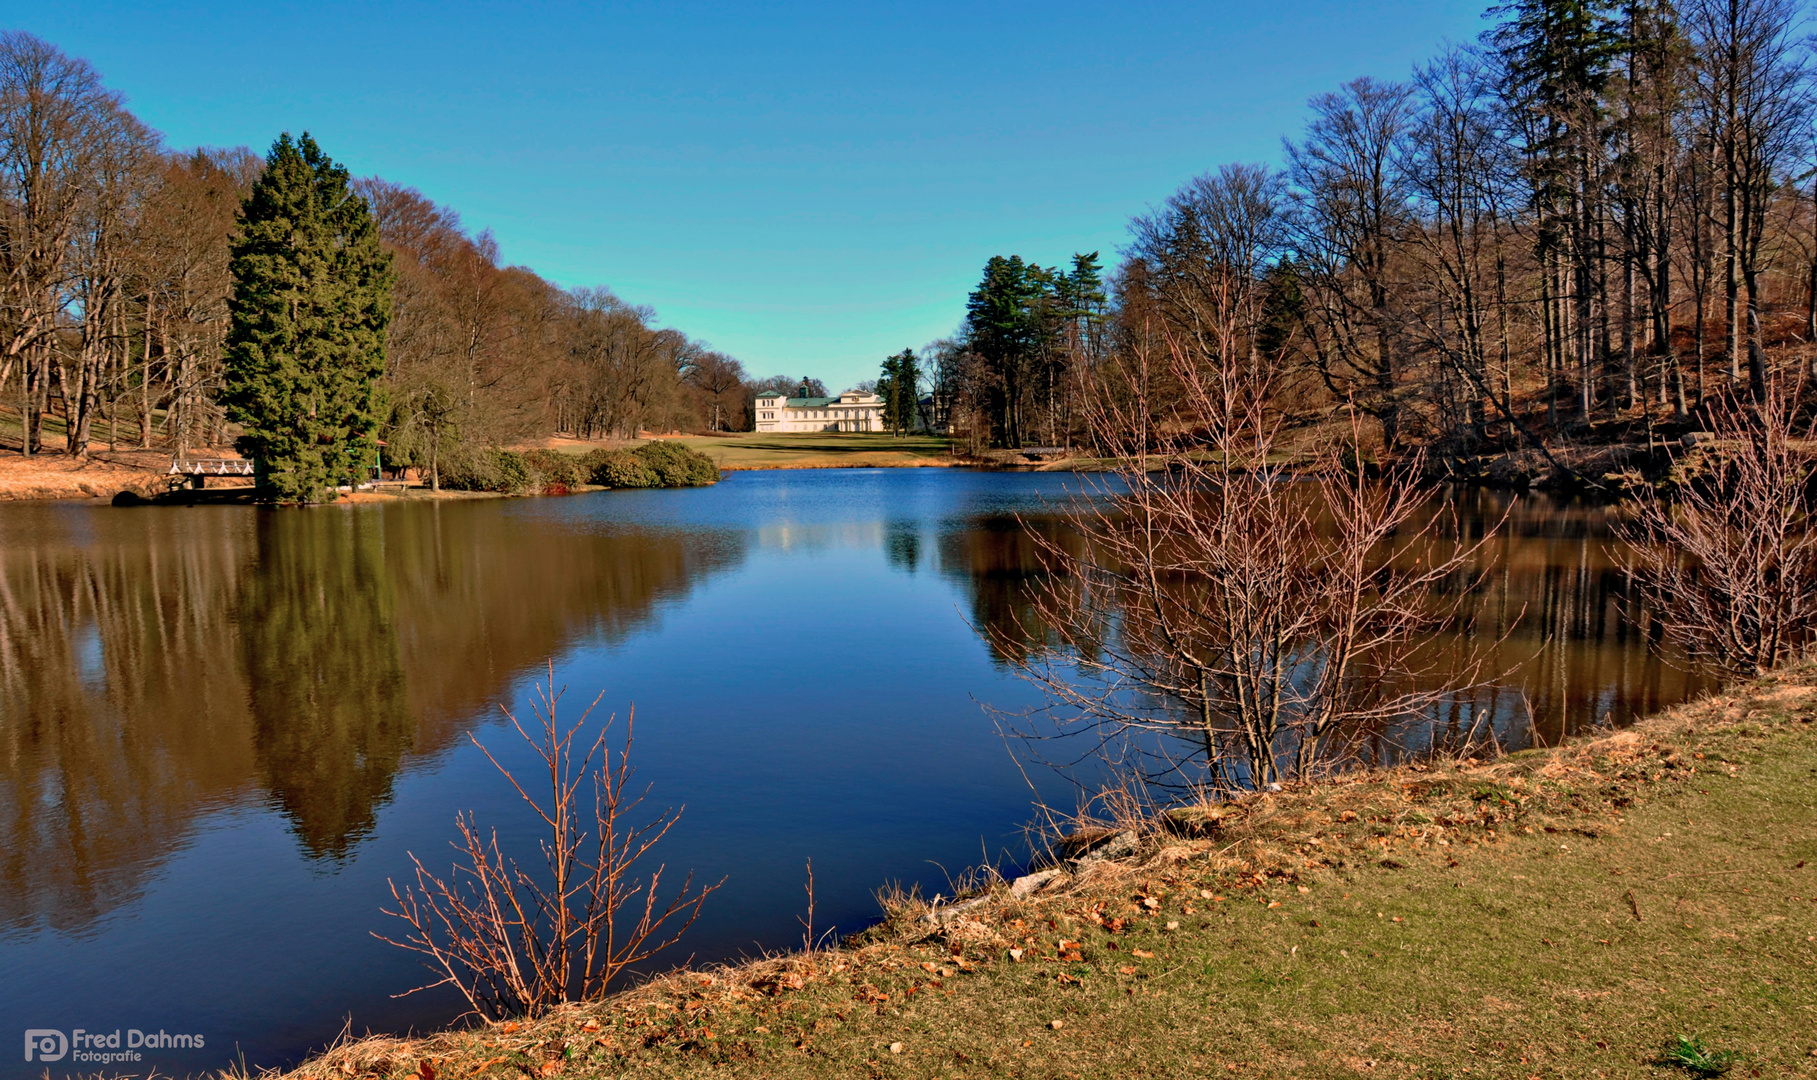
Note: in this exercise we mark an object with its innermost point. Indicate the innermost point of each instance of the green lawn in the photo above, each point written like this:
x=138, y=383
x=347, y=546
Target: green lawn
x=820, y=451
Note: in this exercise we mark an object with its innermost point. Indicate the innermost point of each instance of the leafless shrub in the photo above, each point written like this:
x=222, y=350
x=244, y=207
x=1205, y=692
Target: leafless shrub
x=811, y=942
x=1253, y=611
x=1729, y=561
x=1121, y=801
x=899, y=903
x=513, y=942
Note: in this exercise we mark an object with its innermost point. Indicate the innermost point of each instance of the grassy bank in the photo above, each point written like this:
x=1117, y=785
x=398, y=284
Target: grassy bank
x=1565, y=912
x=821, y=451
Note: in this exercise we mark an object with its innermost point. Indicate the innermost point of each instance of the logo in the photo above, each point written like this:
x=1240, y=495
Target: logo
x=104, y=1047
x=49, y=1045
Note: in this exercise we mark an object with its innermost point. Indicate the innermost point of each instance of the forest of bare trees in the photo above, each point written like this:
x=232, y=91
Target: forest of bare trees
x=114, y=290
x=1582, y=228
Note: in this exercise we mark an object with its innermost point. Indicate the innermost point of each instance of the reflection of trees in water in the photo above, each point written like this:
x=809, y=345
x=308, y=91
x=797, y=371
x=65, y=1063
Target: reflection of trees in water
x=1584, y=645
x=1578, y=654
x=319, y=645
x=902, y=545
x=158, y=662
x=999, y=564
x=99, y=775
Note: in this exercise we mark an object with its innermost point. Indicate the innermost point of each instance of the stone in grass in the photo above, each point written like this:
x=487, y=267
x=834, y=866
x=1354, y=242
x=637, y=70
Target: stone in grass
x=1083, y=848
x=1028, y=884
x=947, y=914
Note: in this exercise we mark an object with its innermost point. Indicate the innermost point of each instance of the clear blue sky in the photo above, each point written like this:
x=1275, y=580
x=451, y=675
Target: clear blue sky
x=808, y=187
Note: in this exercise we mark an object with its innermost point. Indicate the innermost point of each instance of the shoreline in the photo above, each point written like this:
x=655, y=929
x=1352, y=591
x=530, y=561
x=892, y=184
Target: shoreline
x=1534, y=875
x=58, y=478
x=141, y=474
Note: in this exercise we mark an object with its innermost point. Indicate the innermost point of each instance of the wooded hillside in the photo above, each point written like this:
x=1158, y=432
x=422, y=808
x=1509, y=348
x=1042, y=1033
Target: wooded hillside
x=114, y=290
x=1581, y=227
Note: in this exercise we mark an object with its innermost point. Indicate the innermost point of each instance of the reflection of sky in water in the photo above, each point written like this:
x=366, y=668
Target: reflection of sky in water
x=91, y=664
x=796, y=689
x=800, y=648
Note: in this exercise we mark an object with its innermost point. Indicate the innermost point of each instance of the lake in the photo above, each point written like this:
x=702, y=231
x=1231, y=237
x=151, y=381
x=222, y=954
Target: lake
x=224, y=729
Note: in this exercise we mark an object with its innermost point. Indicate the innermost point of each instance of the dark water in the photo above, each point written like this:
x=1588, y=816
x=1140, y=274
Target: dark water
x=221, y=730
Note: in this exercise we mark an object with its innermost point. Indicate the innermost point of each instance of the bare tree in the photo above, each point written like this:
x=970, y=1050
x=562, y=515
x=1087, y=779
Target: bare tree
x=715, y=375
x=1459, y=173
x=619, y=374
x=181, y=272
x=1752, y=82
x=1730, y=560
x=957, y=407
x=515, y=942
x=1254, y=620
x=1204, y=255
x=1650, y=179
x=1352, y=209
x=54, y=117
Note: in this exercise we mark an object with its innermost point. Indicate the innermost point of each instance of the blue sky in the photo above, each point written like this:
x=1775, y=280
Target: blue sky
x=808, y=187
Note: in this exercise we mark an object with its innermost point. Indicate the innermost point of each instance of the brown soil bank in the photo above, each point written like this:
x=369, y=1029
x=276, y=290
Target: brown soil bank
x=1565, y=912
x=98, y=476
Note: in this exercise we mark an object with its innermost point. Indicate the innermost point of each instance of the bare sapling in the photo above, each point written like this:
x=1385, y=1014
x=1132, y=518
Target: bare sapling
x=1258, y=613
x=514, y=942
x=810, y=942
x=1728, y=562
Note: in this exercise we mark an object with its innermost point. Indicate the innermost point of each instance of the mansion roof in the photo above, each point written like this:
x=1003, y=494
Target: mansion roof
x=856, y=399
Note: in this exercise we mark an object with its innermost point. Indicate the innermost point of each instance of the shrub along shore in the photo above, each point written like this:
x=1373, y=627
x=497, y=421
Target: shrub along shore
x=1587, y=910
x=550, y=472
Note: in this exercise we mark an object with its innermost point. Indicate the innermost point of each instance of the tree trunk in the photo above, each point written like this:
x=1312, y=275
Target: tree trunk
x=145, y=383
x=1731, y=280
x=25, y=404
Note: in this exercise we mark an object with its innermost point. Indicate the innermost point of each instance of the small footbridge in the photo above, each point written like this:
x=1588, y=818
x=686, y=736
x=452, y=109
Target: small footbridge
x=198, y=470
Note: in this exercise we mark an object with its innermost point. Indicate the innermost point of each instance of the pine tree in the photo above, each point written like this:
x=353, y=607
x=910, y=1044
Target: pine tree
x=311, y=302
x=1006, y=326
x=907, y=391
x=1556, y=57
x=898, y=386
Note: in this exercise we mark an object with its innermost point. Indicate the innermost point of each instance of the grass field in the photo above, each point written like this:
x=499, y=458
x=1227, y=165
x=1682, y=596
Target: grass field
x=817, y=451
x=1562, y=913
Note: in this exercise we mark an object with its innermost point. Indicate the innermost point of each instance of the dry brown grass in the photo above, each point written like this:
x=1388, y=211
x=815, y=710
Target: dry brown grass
x=99, y=476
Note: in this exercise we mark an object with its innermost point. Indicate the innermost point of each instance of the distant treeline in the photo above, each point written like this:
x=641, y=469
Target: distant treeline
x=1583, y=225
x=1586, y=223
x=115, y=283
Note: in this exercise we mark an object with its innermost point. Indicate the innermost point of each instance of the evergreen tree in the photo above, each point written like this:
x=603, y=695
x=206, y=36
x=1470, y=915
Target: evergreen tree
x=1081, y=308
x=1006, y=327
x=899, y=386
x=1082, y=302
x=908, y=391
x=1556, y=58
x=311, y=302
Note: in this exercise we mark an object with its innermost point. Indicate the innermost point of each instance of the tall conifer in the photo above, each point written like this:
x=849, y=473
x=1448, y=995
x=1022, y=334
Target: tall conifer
x=898, y=385
x=311, y=302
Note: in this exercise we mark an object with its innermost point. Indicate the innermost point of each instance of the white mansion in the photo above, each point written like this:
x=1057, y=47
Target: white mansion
x=850, y=411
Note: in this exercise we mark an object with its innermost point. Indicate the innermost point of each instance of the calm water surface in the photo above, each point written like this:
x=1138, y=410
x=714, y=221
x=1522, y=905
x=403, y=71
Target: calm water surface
x=222, y=730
